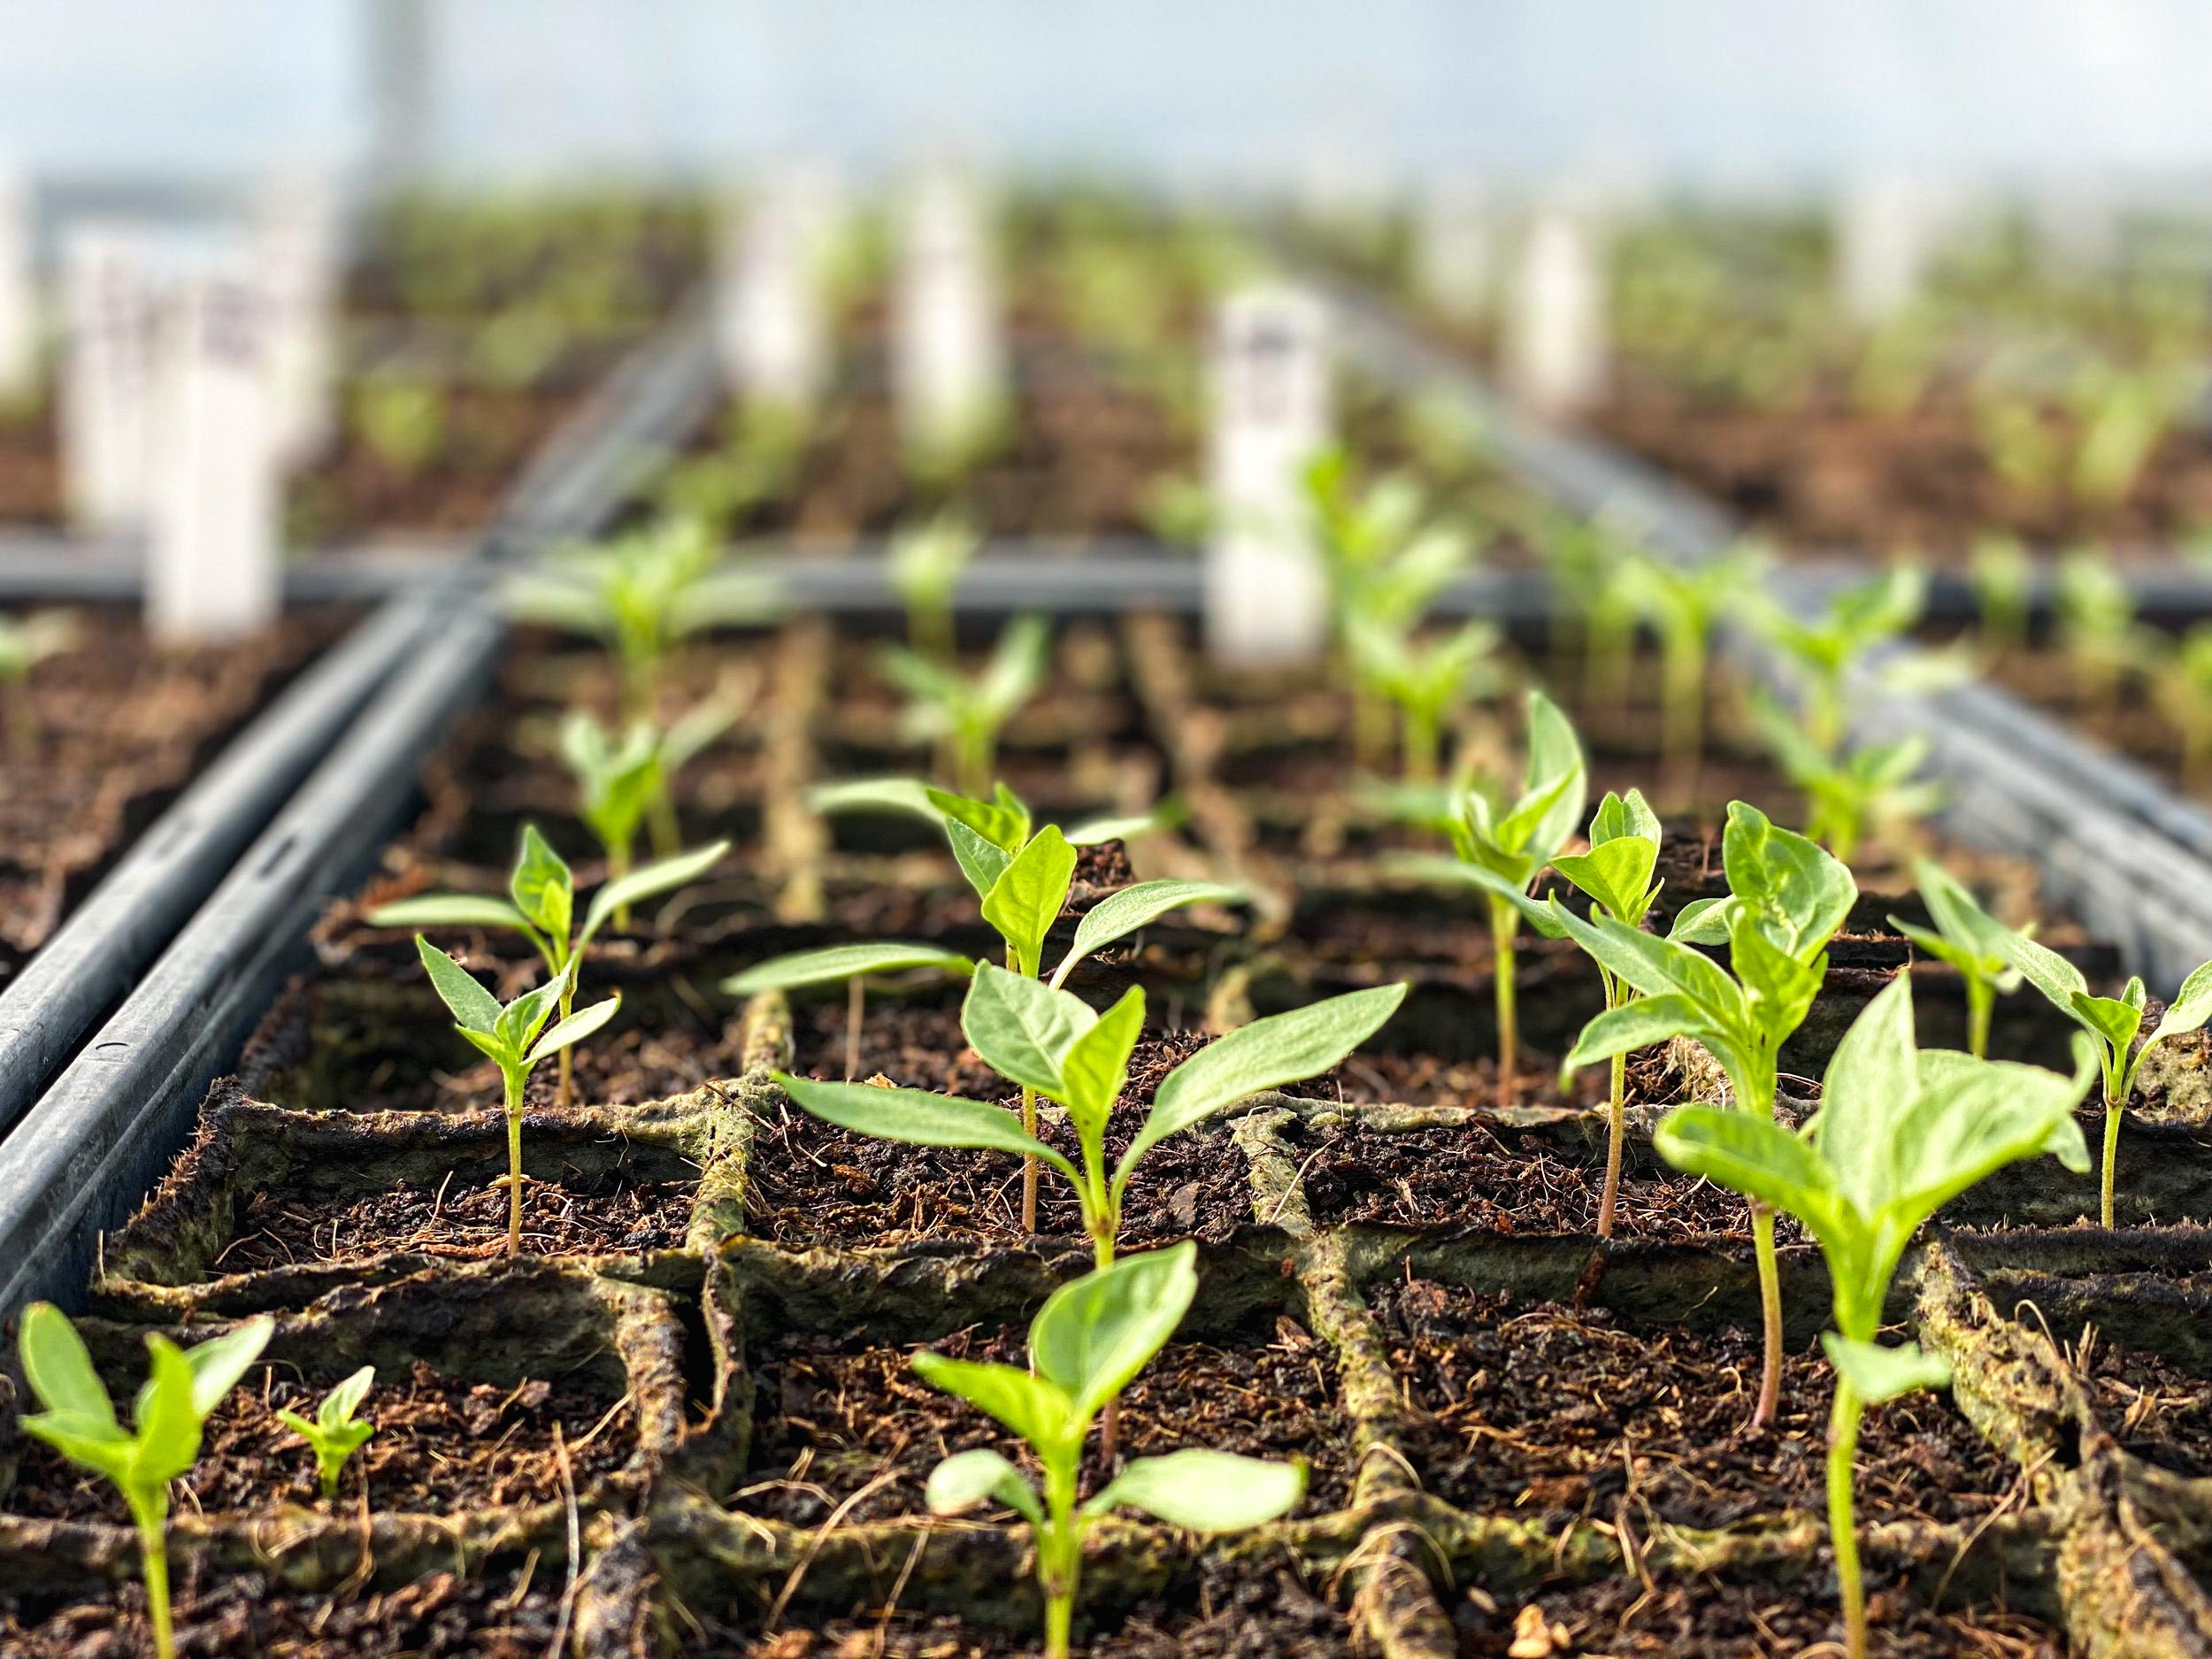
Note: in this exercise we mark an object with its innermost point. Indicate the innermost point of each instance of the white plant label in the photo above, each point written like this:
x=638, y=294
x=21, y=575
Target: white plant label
x=19, y=329
x=299, y=250
x=949, y=349
x=1556, y=346
x=772, y=317
x=1883, y=233
x=105, y=412
x=1455, y=249
x=213, y=558
x=1266, y=593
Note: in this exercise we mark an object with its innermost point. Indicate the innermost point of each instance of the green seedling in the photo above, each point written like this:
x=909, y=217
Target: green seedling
x=2113, y=1023
x=183, y=1387
x=1828, y=650
x=2183, y=685
x=1427, y=681
x=26, y=642
x=639, y=596
x=924, y=566
x=1590, y=616
x=1787, y=899
x=964, y=714
x=758, y=464
x=334, y=1433
x=1087, y=1344
x=1683, y=605
x=541, y=906
x=1179, y=510
x=1514, y=840
x=1901, y=1133
x=2003, y=578
x=1616, y=875
x=2017, y=437
x=625, y=780
x=2123, y=417
x=1050, y=1043
x=517, y=1040
x=402, y=420
x=1850, y=794
x=1021, y=876
x=1961, y=937
x=2096, y=624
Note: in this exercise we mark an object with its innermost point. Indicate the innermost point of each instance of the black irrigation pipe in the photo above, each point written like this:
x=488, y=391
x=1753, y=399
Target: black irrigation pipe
x=2130, y=859
x=108, y=1124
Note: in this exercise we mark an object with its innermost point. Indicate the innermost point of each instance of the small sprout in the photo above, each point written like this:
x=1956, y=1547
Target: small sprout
x=2123, y=417
x=1087, y=1344
x=624, y=779
x=924, y=566
x=511, y=1036
x=2113, y=1023
x=2003, y=578
x=1425, y=681
x=1900, y=1131
x=1850, y=794
x=24, y=643
x=962, y=714
x=334, y=1433
x=1051, y=1042
x=2017, y=437
x=541, y=906
x=401, y=418
x=1683, y=606
x=77, y=1420
x=758, y=464
x=2096, y=624
x=1787, y=899
x=1829, y=650
x=1960, y=939
x=1022, y=879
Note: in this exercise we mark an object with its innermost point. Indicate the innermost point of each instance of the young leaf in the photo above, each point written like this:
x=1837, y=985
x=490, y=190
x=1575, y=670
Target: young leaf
x=1094, y=1068
x=541, y=886
x=1876, y=1374
x=575, y=1028
x=967, y=1478
x=1120, y=914
x=1022, y=1027
x=981, y=860
x=449, y=910
x=1205, y=1490
x=1035, y=1407
x=834, y=963
x=1093, y=1335
x=918, y=1118
x=474, y=1008
x=1026, y=900
x=651, y=881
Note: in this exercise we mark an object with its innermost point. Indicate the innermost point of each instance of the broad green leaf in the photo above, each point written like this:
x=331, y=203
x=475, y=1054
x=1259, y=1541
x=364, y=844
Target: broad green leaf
x=1026, y=900
x=1872, y=1079
x=217, y=1365
x=1094, y=1334
x=1637, y=1023
x=1120, y=914
x=1205, y=1490
x=1556, y=772
x=1094, y=1068
x=875, y=794
x=58, y=1367
x=919, y=1118
x=449, y=910
x=665, y=875
x=1778, y=988
x=835, y=962
x=982, y=863
x=967, y=1478
x=575, y=1028
x=1617, y=873
x=166, y=1417
x=541, y=886
x=1266, y=1054
x=1002, y=821
x=2116, y=1021
x=1035, y=1407
x=2042, y=967
x=339, y=1405
x=1703, y=922
x=1968, y=1118
x=1024, y=1028
x=1619, y=816
x=2191, y=1006
x=1759, y=1158
x=474, y=1008
x=1876, y=1374
x=1656, y=966
x=1795, y=886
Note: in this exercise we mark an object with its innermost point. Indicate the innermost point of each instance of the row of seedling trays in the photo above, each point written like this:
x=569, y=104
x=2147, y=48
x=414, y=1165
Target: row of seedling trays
x=1221, y=1266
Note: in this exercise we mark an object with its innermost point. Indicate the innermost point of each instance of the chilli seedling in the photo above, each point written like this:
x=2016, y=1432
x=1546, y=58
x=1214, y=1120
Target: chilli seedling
x=1087, y=1344
x=1615, y=875
x=183, y=1387
x=2003, y=578
x=1829, y=650
x=924, y=567
x=1787, y=899
x=962, y=714
x=1022, y=879
x=1051, y=1042
x=26, y=642
x=541, y=906
x=1850, y=794
x=2095, y=625
x=517, y=1040
x=1683, y=605
x=336, y=1432
x=2184, y=690
x=1424, y=681
x=623, y=780
x=1900, y=1131
x=1961, y=937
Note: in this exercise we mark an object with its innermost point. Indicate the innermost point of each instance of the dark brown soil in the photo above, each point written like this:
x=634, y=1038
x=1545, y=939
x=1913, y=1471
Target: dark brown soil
x=2155, y=1409
x=461, y=1221
x=117, y=729
x=442, y=1616
x=835, y=1414
x=441, y=1448
x=1385, y=1078
x=1259, y=1612
x=815, y=1183
x=1717, y=1619
x=1540, y=1409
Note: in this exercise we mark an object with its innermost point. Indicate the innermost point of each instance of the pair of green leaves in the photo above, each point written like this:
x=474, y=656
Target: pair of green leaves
x=541, y=903
x=1900, y=1133
x=1021, y=881
x=514, y=1036
x=1041, y=1037
x=943, y=702
x=182, y=1387
x=1514, y=839
x=1614, y=874
x=620, y=775
x=334, y=1433
x=1087, y=1344
x=1849, y=791
x=1787, y=899
x=1425, y=679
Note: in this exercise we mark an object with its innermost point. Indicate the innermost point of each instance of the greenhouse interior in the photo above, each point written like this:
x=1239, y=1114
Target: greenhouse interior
x=884, y=832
